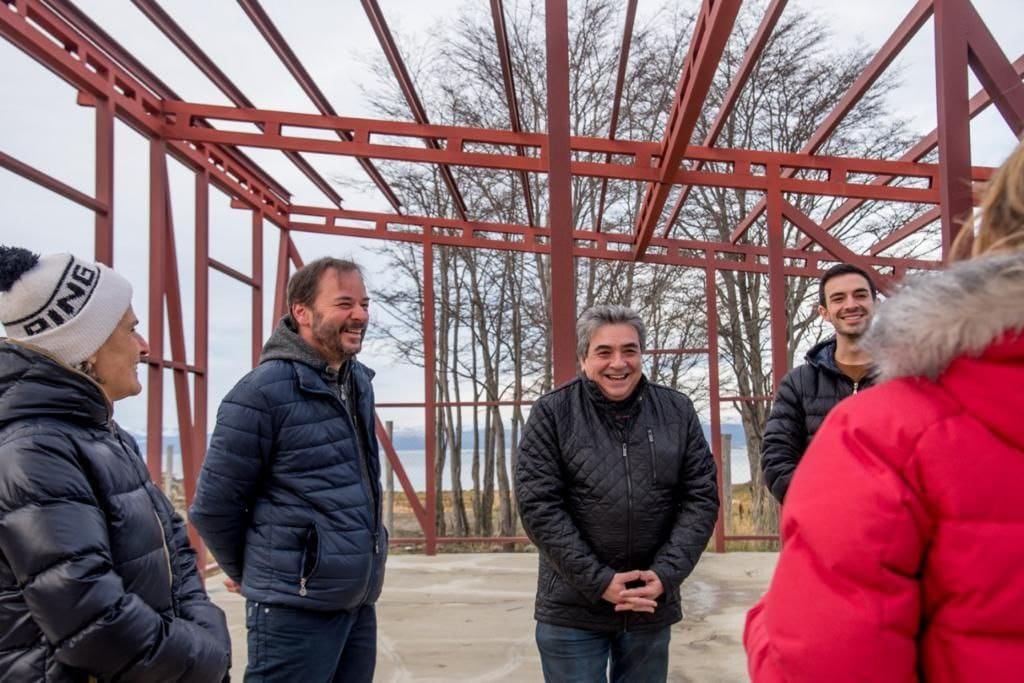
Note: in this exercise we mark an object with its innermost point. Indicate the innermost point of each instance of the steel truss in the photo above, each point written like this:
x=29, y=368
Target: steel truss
x=65, y=40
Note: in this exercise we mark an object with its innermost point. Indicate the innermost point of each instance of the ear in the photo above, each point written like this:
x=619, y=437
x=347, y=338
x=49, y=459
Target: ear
x=302, y=315
x=823, y=312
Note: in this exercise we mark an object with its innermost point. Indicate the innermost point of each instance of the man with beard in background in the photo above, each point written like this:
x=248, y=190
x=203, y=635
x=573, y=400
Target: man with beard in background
x=289, y=499
x=836, y=368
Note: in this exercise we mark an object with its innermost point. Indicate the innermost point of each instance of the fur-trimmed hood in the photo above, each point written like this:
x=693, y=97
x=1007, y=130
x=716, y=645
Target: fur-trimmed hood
x=938, y=316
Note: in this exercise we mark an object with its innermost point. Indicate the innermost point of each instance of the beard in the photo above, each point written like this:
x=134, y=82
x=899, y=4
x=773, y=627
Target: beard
x=328, y=337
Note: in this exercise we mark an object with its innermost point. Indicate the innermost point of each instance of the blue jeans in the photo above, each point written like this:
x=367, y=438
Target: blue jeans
x=572, y=655
x=289, y=645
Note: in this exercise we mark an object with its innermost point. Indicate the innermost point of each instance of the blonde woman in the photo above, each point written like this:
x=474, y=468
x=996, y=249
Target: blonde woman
x=903, y=532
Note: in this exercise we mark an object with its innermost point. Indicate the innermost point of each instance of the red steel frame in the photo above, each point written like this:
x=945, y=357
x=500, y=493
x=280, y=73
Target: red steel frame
x=109, y=79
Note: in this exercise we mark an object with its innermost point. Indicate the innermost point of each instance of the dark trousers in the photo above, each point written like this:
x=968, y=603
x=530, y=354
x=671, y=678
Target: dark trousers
x=289, y=645
x=572, y=655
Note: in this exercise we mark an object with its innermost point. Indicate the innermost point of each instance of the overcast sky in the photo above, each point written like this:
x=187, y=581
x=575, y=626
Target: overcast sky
x=42, y=126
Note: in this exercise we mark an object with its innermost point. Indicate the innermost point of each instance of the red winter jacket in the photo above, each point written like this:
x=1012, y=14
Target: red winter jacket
x=903, y=532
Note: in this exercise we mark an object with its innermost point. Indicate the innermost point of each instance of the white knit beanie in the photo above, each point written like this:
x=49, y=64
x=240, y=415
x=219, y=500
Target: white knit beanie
x=64, y=305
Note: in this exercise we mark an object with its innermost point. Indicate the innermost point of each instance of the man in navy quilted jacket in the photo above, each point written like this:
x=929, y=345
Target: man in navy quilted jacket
x=289, y=495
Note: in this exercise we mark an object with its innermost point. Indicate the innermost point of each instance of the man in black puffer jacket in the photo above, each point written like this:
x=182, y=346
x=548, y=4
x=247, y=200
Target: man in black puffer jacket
x=616, y=487
x=289, y=494
x=97, y=578
x=835, y=368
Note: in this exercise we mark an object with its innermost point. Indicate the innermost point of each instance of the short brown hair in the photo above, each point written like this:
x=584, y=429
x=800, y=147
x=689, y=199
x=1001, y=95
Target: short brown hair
x=304, y=284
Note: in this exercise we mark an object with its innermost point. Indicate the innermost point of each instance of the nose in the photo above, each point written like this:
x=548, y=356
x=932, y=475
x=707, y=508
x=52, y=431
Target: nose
x=143, y=346
x=360, y=313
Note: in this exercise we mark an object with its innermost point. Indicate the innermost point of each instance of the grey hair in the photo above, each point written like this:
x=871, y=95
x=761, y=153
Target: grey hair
x=606, y=314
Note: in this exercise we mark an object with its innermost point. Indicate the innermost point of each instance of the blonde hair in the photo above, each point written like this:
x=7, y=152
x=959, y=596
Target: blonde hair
x=1001, y=224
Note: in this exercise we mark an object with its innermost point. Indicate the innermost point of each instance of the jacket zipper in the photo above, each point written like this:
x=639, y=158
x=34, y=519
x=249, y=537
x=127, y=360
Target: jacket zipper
x=629, y=524
x=650, y=444
x=167, y=554
x=365, y=472
x=855, y=385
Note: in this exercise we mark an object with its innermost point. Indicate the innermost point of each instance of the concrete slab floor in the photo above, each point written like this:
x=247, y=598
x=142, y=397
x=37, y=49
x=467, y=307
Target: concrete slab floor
x=469, y=617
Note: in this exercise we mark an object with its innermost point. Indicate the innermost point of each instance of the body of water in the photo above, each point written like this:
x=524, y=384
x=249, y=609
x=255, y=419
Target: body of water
x=413, y=462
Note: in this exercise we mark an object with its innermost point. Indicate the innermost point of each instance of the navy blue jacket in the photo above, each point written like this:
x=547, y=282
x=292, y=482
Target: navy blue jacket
x=97, y=578
x=288, y=499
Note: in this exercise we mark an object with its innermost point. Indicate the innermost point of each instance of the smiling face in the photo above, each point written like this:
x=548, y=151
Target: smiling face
x=613, y=360
x=849, y=304
x=336, y=322
x=115, y=364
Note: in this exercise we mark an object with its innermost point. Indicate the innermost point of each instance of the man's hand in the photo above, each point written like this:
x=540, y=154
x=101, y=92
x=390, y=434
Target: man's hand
x=613, y=593
x=644, y=598
x=232, y=586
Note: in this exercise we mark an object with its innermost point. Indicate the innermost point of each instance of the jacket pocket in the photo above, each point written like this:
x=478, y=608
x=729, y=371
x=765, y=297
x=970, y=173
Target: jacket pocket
x=310, y=558
x=664, y=461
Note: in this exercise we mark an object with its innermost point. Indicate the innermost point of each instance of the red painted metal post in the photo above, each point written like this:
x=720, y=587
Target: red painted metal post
x=563, y=267
x=777, y=278
x=954, y=127
x=711, y=297
x=281, y=282
x=430, y=410
x=201, y=356
x=257, y=286
x=104, y=222
x=157, y=245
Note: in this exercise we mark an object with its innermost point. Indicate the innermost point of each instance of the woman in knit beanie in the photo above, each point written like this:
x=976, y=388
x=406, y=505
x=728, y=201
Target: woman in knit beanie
x=97, y=578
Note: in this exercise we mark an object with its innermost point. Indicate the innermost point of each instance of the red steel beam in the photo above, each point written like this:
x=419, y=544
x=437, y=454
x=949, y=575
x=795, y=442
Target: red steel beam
x=257, y=287
x=158, y=201
x=777, y=279
x=833, y=246
x=560, y=214
x=753, y=53
x=170, y=28
x=50, y=183
x=637, y=167
x=994, y=71
x=394, y=57
x=56, y=44
x=103, y=224
x=711, y=303
x=610, y=246
x=925, y=219
x=954, y=118
x=892, y=47
x=979, y=103
x=87, y=27
x=200, y=383
x=430, y=396
x=710, y=34
x=261, y=20
x=505, y=57
x=620, y=80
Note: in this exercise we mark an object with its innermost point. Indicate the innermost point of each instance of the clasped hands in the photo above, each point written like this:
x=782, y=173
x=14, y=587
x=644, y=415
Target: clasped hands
x=640, y=599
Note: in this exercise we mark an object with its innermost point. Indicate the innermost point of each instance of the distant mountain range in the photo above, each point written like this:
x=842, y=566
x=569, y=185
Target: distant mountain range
x=413, y=439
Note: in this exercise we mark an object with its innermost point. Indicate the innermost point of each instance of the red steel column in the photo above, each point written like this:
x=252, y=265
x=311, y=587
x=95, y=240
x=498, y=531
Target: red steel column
x=257, y=286
x=281, y=277
x=954, y=129
x=563, y=275
x=104, y=242
x=200, y=351
x=430, y=399
x=157, y=245
x=711, y=296
x=776, y=276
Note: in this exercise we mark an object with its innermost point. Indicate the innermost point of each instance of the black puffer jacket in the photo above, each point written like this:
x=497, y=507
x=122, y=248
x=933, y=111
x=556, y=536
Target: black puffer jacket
x=596, y=501
x=806, y=395
x=97, y=577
